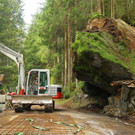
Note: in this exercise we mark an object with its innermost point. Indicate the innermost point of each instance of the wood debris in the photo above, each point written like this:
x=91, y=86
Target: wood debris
x=129, y=83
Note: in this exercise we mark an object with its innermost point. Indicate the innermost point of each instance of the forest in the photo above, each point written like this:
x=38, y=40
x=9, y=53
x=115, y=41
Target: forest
x=47, y=44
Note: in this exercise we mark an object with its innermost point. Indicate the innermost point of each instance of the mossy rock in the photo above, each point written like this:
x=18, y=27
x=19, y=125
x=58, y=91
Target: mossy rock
x=99, y=60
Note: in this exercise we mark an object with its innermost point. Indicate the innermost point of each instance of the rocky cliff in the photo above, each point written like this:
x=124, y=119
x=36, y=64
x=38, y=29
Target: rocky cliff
x=104, y=52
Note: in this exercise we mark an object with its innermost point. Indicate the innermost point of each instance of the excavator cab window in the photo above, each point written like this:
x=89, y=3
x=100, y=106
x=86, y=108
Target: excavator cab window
x=38, y=83
x=43, y=79
x=43, y=89
x=33, y=83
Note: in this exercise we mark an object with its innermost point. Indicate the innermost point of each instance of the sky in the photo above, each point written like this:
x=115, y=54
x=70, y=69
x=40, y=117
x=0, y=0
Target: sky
x=30, y=8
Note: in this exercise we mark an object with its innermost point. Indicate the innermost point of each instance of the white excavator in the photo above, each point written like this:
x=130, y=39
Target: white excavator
x=35, y=90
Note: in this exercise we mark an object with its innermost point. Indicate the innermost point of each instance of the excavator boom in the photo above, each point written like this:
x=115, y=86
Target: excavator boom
x=18, y=58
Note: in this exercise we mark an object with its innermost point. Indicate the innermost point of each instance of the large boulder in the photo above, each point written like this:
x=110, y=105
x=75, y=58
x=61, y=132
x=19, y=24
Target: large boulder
x=104, y=52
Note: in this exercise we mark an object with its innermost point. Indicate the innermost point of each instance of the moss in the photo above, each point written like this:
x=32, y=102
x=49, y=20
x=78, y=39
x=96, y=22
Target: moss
x=102, y=43
x=96, y=15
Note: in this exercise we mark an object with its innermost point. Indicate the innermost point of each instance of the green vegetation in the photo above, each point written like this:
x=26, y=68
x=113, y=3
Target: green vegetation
x=102, y=43
x=11, y=35
x=48, y=41
x=96, y=15
x=73, y=99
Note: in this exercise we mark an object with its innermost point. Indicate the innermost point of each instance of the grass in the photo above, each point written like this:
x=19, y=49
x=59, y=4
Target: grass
x=72, y=103
x=62, y=101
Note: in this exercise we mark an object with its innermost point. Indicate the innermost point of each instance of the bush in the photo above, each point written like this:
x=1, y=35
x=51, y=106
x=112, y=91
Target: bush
x=67, y=94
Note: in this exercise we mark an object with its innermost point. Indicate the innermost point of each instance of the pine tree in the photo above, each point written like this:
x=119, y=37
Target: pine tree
x=11, y=35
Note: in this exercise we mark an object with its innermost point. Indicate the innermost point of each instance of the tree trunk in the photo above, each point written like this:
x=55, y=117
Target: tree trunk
x=62, y=73
x=128, y=7
x=103, y=6
x=99, y=6
x=58, y=59
x=76, y=20
x=114, y=8
x=91, y=6
x=111, y=8
x=132, y=3
x=69, y=49
x=65, y=82
x=75, y=37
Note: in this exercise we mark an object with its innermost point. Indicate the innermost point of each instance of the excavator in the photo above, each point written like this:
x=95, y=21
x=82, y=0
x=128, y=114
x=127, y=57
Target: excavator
x=36, y=89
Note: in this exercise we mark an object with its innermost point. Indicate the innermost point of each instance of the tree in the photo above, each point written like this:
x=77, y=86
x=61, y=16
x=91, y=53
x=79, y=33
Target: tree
x=53, y=31
x=66, y=63
x=69, y=48
x=113, y=8
x=99, y=6
x=91, y=6
x=11, y=35
x=103, y=7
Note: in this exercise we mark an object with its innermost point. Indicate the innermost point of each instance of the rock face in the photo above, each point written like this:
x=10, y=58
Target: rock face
x=103, y=54
x=99, y=71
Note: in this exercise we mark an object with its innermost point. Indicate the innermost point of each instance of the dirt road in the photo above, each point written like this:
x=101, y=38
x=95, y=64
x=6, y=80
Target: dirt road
x=92, y=124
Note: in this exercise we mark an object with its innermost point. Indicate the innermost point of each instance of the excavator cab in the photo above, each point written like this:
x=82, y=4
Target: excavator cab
x=38, y=82
x=37, y=92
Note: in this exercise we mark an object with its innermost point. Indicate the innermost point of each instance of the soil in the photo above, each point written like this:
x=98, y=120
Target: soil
x=91, y=123
x=7, y=116
x=95, y=108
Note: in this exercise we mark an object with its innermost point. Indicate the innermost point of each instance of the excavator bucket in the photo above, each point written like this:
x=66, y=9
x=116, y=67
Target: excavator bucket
x=32, y=99
x=24, y=102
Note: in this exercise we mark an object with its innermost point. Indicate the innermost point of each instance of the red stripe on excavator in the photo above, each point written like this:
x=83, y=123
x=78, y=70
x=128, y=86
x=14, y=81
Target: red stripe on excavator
x=59, y=96
x=22, y=92
x=42, y=88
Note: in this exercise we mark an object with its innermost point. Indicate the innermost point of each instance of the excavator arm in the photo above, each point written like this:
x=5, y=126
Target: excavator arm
x=18, y=58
